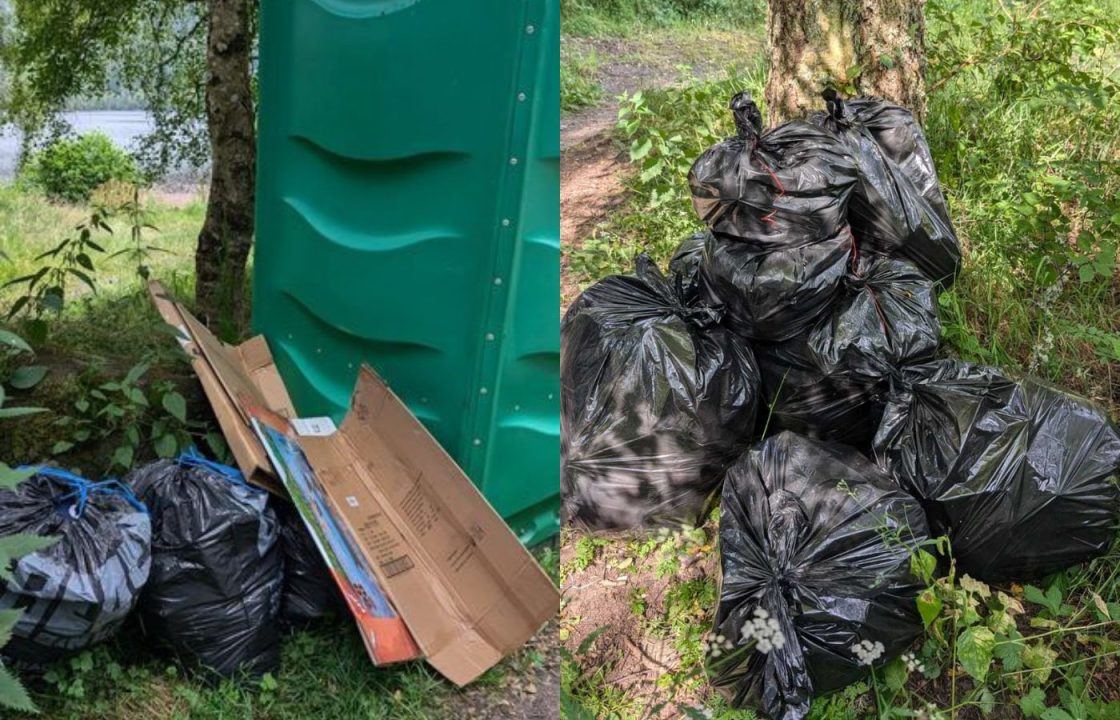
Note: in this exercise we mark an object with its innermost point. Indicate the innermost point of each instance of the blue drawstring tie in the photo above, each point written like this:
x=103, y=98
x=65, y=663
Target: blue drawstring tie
x=193, y=458
x=81, y=489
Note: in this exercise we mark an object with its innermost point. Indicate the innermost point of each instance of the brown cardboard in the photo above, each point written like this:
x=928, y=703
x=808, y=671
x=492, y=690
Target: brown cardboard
x=468, y=590
x=221, y=368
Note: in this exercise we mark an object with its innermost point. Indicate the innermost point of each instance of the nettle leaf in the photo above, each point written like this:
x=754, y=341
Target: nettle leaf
x=13, y=547
x=25, y=378
x=12, y=693
x=174, y=404
x=10, y=478
x=124, y=456
x=20, y=412
x=10, y=339
x=1033, y=704
x=974, y=651
x=166, y=446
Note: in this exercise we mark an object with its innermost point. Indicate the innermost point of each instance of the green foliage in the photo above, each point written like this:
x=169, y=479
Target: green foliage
x=579, y=78
x=665, y=131
x=151, y=49
x=72, y=168
x=12, y=548
x=14, y=374
x=44, y=290
x=595, y=17
x=139, y=419
x=139, y=252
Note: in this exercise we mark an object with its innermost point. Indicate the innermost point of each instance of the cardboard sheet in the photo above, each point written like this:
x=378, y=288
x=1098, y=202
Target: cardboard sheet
x=247, y=369
x=467, y=589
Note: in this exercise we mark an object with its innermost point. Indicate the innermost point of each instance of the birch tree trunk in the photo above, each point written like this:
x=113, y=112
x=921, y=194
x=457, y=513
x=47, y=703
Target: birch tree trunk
x=227, y=233
x=871, y=47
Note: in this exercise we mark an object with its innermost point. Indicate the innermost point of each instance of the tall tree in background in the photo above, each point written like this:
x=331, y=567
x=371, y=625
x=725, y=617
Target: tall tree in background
x=227, y=234
x=869, y=47
x=191, y=63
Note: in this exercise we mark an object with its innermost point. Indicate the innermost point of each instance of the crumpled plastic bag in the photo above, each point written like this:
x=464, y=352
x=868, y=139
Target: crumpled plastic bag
x=685, y=264
x=310, y=593
x=217, y=570
x=797, y=395
x=657, y=398
x=815, y=546
x=897, y=208
x=885, y=317
x=80, y=590
x=776, y=203
x=1021, y=476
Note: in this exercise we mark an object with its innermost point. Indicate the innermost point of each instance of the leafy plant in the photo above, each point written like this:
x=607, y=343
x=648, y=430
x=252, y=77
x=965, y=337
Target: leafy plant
x=12, y=548
x=136, y=416
x=71, y=168
x=579, y=84
x=16, y=375
x=44, y=291
x=139, y=252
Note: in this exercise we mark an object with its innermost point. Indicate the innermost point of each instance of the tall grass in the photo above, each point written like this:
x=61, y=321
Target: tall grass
x=622, y=17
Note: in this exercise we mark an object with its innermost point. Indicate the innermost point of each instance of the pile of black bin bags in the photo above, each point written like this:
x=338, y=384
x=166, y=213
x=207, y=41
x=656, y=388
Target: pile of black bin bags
x=212, y=566
x=807, y=312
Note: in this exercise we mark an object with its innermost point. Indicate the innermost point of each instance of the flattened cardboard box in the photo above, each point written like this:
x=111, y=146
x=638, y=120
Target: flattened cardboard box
x=466, y=587
x=224, y=371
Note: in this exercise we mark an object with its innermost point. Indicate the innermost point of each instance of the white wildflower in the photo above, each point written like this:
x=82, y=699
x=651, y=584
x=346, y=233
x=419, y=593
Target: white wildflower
x=913, y=664
x=764, y=630
x=867, y=652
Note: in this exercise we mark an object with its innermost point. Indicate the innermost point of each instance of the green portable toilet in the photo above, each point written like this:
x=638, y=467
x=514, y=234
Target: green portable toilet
x=408, y=217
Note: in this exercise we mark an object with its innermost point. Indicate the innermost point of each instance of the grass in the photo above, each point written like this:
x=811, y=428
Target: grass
x=1029, y=161
x=99, y=336
x=626, y=17
x=579, y=83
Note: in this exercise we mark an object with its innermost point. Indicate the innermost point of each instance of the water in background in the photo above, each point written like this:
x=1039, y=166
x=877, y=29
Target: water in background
x=124, y=128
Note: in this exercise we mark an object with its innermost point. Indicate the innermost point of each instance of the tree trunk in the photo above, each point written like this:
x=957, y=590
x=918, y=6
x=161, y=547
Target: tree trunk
x=865, y=47
x=227, y=234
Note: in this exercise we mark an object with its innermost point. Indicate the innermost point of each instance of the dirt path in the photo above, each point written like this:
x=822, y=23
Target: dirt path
x=592, y=164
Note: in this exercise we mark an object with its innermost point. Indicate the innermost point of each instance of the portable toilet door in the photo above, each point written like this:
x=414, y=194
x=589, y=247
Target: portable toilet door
x=408, y=217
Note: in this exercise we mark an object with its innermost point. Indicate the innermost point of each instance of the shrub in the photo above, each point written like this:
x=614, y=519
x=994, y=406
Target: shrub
x=71, y=168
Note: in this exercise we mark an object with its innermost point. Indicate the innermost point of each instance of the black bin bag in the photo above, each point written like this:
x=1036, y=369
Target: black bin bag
x=685, y=263
x=776, y=203
x=657, y=398
x=1020, y=476
x=815, y=546
x=797, y=395
x=78, y=591
x=885, y=317
x=310, y=593
x=897, y=208
x=217, y=570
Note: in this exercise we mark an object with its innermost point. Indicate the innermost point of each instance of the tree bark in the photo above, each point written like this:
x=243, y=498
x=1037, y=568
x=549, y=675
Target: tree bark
x=865, y=47
x=227, y=233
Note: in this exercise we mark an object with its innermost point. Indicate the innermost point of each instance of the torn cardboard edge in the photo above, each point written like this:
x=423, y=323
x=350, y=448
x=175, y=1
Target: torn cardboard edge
x=251, y=362
x=467, y=589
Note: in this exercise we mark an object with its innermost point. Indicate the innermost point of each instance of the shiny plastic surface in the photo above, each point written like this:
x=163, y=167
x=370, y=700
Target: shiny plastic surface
x=776, y=203
x=78, y=591
x=214, y=594
x=408, y=217
x=1020, y=475
x=897, y=207
x=886, y=316
x=657, y=399
x=819, y=539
